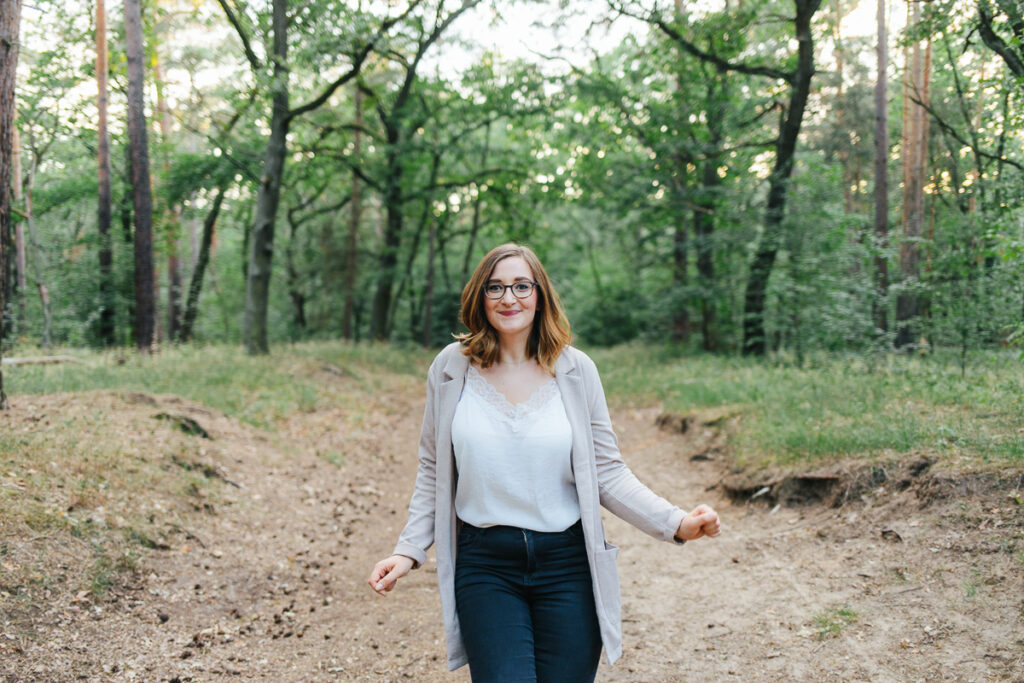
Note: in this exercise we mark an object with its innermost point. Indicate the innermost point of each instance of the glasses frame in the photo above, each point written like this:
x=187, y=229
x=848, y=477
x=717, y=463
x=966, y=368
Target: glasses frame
x=533, y=286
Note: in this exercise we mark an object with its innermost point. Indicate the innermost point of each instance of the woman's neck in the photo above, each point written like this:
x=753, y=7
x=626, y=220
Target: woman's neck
x=513, y=352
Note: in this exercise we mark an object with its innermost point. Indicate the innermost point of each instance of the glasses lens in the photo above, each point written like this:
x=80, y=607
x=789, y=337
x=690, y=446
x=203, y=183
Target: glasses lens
x=494, y=291
x=522, y=289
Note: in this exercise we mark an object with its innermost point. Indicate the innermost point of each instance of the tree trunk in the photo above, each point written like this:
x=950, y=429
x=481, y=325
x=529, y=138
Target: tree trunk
x=10, y=22
x=295, y=292
x=261, y=252
x=196, y=285
x=145, y=300
x=881, y=315
x=37, y=270
x=474, y=228
x=428, y=290
x=104, y=211
x=19, y=229
x=680, y=279
x=704, y=226
x=393, y=200
x=353, y=226
x=778, y=183
x=172, y=216
x=908, y=304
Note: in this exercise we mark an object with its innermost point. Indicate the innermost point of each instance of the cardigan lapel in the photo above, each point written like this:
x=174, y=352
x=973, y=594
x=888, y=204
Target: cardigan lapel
x=574, y=398
x=452, y=380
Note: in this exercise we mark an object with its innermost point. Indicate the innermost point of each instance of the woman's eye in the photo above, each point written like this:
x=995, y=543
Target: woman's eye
x=494, y=288
x=521, y=287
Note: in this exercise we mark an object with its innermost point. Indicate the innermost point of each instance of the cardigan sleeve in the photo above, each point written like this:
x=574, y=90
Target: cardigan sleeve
x=418, y=534
x=620, y=490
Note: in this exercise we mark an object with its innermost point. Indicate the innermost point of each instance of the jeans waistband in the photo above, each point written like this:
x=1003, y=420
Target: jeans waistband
x=576, y=528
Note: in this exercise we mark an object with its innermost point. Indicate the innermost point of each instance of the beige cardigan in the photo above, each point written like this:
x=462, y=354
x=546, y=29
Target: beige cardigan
x=602, y=478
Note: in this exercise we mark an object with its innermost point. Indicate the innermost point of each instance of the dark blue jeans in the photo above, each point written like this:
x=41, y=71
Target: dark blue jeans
x=526, y=605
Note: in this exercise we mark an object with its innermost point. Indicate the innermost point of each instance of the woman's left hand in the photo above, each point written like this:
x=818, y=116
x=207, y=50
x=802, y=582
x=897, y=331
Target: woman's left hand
x=700, y=521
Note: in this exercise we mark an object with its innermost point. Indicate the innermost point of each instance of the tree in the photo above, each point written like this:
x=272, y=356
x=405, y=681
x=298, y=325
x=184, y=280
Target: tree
x=799, y=81
x=106, y=326
x=142, y=200
x=914, y=151
x=355, y=216
x=399, y=125
x=994, y=17
x=261, y=243
x=10, y=43
x=881, y=174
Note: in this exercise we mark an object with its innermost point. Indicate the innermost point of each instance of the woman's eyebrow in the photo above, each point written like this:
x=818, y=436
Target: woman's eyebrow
x=515, y=279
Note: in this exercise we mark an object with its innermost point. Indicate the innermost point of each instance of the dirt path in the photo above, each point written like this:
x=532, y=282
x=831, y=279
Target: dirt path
x=271, y=586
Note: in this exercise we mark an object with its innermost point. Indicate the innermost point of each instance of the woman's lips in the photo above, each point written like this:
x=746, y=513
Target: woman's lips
x=508, y=313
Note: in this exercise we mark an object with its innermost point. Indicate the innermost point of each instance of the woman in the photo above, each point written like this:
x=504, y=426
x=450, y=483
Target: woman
x=516, y=456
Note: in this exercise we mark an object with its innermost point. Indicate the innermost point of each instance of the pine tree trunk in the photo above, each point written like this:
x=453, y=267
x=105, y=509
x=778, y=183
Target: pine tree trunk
x=881, y=315
x=10, y=22
x=261, y=246
x=908, y=305
x=104, y=210
x=142, y=200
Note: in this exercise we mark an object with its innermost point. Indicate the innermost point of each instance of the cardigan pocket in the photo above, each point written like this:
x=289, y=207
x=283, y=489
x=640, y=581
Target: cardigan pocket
x=608, y=585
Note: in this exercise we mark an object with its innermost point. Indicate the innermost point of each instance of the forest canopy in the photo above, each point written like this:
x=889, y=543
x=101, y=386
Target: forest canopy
x=786, y=175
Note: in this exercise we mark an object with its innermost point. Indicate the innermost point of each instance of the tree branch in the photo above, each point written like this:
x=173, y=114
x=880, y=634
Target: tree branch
x=963, y=141
x=995, y=42
x=357, y=64
x=254, y=61
x=722, y=64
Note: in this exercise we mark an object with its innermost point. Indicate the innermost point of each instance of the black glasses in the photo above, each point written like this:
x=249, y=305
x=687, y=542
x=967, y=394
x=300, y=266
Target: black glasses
x=520, y=290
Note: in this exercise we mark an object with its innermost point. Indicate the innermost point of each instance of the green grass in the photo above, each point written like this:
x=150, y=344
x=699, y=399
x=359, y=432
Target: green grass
x=829, y=407
x=832, y=622
x=835, y=407
x=259, y=390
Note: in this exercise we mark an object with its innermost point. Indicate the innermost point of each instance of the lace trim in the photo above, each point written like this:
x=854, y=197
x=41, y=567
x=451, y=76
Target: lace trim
x=513, y=413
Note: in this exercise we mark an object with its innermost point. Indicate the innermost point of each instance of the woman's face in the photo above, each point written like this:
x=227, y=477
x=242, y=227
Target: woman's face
x=508, y=315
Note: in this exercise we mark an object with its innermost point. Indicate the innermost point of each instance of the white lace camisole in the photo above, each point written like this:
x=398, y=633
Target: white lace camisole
x=513, y=459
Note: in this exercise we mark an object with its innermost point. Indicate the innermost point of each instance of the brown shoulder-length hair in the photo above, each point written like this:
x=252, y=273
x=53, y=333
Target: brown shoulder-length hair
x=550, y=332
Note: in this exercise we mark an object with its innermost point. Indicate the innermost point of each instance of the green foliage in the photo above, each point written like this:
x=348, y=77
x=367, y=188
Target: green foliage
x=832, y=622
x=637, y=173
x=256, y=390
x=837, y=406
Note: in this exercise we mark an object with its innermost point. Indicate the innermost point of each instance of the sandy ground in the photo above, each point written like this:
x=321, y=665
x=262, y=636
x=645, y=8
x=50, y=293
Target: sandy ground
x=270, y=584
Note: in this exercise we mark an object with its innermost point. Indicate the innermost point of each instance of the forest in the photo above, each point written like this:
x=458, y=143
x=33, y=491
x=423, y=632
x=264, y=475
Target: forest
x=788, y=232
x=744, y=177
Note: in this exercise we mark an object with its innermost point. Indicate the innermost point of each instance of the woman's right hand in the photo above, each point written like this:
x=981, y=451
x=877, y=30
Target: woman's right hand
x=386, y=573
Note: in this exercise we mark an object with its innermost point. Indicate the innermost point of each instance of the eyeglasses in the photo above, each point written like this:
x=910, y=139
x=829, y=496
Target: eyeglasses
x=520, y=290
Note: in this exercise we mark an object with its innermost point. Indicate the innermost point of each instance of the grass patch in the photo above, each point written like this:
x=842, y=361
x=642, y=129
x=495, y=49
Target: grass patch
x=89, y=483
x=259, y=390
x=832, y=622
x=837, y=406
